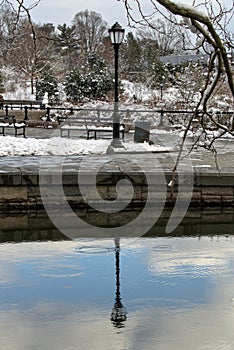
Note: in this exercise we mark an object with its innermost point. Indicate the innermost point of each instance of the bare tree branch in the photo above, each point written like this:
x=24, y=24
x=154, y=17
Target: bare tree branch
x=208, y=20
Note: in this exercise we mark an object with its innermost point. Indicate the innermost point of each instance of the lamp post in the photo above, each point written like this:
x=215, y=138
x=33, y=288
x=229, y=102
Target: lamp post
x=119, y=312
x=116, y=33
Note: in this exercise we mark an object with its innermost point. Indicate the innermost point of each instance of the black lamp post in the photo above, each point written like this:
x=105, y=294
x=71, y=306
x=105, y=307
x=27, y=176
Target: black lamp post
x=116, y=33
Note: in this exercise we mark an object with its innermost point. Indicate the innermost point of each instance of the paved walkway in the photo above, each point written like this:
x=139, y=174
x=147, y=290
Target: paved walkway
x=202, y=160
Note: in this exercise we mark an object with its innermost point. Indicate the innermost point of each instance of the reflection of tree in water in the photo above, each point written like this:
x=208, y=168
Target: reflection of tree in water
x=119, y=312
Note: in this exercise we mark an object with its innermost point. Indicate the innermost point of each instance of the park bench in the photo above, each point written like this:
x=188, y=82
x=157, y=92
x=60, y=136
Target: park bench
x=10, y=122
x=92, y=125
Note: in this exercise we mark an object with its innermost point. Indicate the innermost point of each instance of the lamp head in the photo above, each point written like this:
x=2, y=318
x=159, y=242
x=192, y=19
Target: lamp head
x=116, y=33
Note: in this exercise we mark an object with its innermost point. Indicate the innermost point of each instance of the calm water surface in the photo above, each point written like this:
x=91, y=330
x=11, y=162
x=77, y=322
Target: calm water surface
x=174, y=293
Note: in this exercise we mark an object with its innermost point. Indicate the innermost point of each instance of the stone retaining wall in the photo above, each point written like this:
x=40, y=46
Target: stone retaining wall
x=21, y=189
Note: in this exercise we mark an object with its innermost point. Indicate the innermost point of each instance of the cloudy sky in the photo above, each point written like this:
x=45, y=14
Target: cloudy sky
x=63, y=11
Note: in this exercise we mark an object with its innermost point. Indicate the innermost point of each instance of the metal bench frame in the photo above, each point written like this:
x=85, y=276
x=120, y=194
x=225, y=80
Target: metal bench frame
x=9, y=123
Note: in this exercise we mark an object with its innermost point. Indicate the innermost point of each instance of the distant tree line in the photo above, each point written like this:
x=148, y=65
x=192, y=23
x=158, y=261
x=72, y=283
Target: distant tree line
x=80, y=56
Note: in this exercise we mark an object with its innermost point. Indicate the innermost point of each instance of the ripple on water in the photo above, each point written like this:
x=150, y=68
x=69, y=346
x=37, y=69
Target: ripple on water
x=63, y=271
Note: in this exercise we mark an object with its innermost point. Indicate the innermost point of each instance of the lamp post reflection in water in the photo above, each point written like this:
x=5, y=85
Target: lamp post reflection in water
x=119, y=312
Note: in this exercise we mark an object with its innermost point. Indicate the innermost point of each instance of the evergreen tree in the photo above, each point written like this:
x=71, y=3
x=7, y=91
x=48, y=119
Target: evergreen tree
x=47, y=83
x=74, y=86
x=131, y=57
x=98, y=79
x=68, y=46
x=94, y=82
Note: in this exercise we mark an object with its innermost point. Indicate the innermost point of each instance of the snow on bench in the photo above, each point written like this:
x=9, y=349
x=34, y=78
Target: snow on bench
x=11, y=123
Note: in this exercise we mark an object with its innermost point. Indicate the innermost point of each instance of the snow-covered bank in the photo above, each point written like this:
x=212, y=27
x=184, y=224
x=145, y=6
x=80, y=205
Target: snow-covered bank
x=11, y=146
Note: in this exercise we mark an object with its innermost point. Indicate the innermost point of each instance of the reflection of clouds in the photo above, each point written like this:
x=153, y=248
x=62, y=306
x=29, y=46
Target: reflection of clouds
x=52, y=250
x=60, y=271
x=198, y=265
x=58, y=326
x=55, y=326
x=51, y=325
x=46, y=252
x=35, y=250
x=190, y=257
x=209, y=327
x=7, y=274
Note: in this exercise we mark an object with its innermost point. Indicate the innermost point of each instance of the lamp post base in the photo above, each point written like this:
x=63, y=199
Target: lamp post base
x=116, y=143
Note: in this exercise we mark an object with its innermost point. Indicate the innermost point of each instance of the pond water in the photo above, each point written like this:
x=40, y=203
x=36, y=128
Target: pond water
x=156, y=292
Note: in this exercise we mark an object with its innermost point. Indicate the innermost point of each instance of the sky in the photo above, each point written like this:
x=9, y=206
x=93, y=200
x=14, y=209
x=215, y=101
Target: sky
x=60, y=11
x=63, y=11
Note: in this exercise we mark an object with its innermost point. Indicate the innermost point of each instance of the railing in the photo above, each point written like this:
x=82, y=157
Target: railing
x=124, y=113
x=20, y=103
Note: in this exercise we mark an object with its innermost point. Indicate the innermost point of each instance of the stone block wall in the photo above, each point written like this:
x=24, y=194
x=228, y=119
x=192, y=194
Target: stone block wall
x=20, y=189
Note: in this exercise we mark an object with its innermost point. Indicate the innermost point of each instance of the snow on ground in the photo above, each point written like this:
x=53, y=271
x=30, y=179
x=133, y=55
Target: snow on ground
x=12, y=146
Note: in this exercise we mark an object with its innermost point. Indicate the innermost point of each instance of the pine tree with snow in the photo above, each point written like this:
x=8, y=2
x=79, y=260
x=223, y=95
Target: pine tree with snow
x=74, y=86
x=98, y=78
x=47, y=83
x=93, y=83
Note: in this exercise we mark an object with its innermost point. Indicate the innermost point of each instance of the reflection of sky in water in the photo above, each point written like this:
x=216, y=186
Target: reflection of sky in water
x=178, y=294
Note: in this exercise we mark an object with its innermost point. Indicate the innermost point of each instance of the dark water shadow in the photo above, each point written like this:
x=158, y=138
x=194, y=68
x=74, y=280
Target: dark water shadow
x=36, y=226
